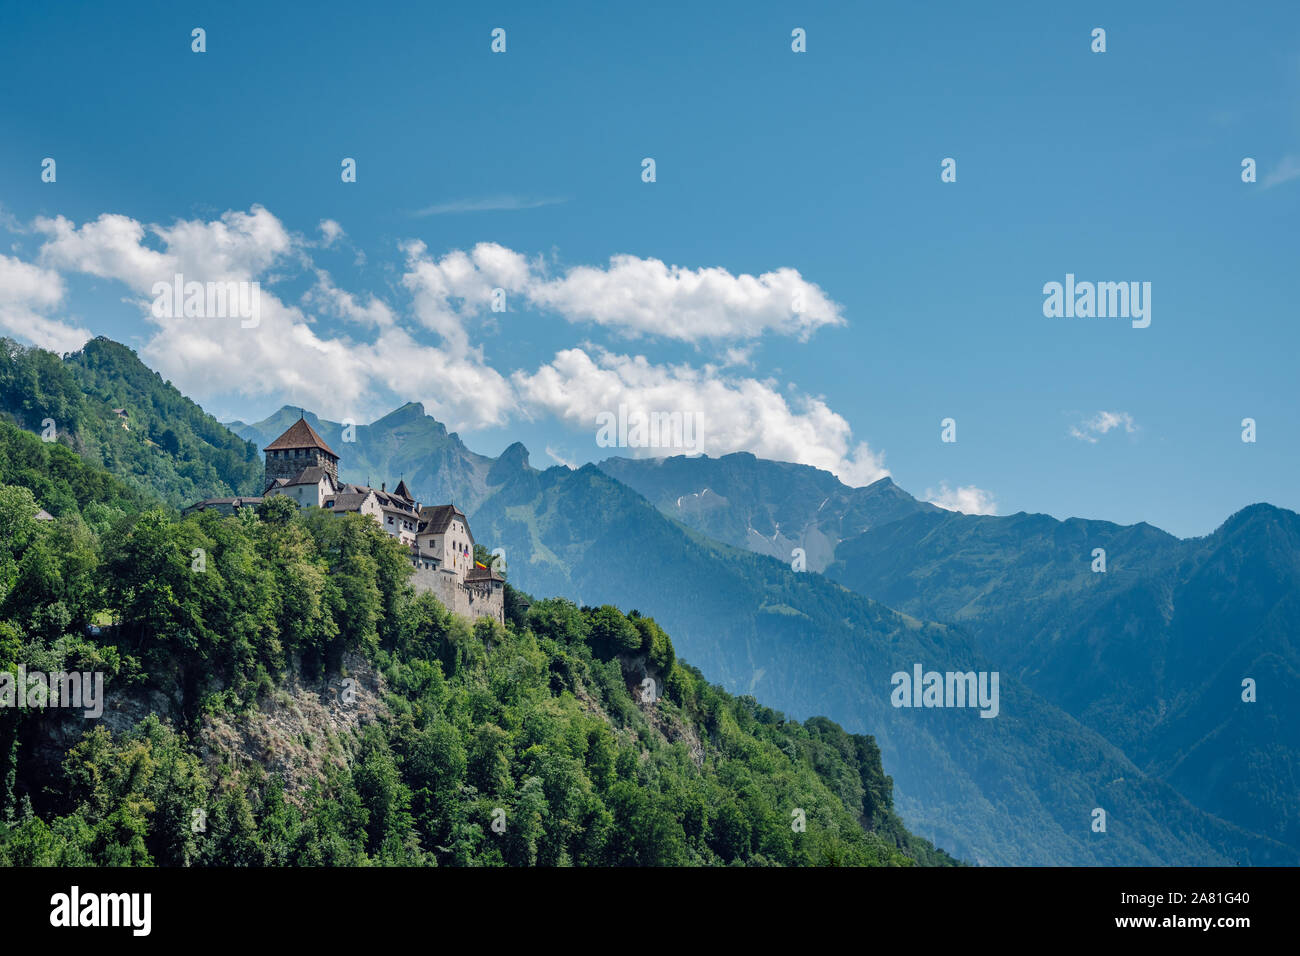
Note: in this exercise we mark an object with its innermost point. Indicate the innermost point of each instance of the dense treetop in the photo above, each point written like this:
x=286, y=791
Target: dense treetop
x=571, y=735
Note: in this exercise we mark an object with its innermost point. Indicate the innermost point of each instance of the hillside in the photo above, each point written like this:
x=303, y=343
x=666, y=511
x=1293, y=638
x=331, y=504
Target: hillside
x=1003, y=791
x=1152, y=653
x=161, y=443
x=292, y=702
x=1006, y=791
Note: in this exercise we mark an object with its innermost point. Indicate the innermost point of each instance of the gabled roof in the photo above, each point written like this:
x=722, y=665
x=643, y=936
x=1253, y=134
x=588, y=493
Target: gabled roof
x=402, y=491
x=389, y=500
x=482, y=574
x=347, y=502
x=311, y=476
x=386, y=499
x=436, y=518
x=300, y=435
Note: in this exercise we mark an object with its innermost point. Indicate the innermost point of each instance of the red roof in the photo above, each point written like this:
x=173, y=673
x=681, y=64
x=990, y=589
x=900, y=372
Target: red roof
x=300, y=435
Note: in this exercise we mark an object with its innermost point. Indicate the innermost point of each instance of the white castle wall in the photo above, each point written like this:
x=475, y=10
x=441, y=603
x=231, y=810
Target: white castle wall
x=471, y=602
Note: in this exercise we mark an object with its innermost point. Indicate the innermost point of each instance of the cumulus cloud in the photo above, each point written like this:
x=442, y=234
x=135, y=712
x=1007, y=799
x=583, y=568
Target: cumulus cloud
x=449, y=290
x=27, y=294
x=1091, y=429
x=373, y=311
x=355, y=370
x=111, y=247
x=732, y=414
x=283, y=355
x=339, y=376
x=633, y=297
x=967, y=499
x=639, y=297
x=238, y=246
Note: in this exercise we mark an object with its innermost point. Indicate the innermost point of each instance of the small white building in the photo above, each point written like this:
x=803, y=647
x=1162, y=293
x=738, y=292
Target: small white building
x=310, y=487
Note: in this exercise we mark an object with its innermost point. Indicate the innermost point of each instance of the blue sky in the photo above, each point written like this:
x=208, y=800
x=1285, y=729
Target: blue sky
x=819, y=171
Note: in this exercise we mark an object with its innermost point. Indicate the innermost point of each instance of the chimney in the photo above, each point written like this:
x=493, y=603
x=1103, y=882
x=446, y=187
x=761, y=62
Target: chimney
x=383, y=486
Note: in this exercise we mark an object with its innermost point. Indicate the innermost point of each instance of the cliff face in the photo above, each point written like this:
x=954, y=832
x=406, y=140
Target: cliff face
x=305, y=726
x=296, y=732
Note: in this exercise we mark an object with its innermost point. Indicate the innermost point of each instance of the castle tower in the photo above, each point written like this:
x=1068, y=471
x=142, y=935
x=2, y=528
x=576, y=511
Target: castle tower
x=298, y=448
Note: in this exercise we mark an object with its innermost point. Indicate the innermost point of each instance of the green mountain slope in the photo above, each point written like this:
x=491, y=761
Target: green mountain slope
x=292, y=702
x=162, y=443
x=1017, y=789
x=590, y=538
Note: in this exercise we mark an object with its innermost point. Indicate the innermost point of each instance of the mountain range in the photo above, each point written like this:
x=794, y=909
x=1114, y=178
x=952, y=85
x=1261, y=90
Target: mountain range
x=769, y=507
x=1120, y=690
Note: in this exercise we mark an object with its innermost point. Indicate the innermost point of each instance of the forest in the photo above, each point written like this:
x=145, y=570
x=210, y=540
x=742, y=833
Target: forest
x=569, y=736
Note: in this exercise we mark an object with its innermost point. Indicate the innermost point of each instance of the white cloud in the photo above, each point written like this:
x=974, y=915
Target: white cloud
x=449, y=290
x=489, y=204
x=733, y=414
x=560, y=459
x=1287, y=169
x=1091, y=429
x=282, y=356
x=374, y=312
x=110, y=247
x=331, y=232
x=338, y=376
x=27, y=292
x=289, y=355
x=967, y=499
x=238, y=246
x=738, y=356
x=633, y=297
x=9, y=222
x=647, y=297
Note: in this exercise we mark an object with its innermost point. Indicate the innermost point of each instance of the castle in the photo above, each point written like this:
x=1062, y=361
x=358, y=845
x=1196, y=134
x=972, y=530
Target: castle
x=299, y=465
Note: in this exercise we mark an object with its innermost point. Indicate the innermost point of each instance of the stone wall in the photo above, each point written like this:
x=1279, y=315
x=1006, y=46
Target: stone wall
x=472, y=603
x=289, y=467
